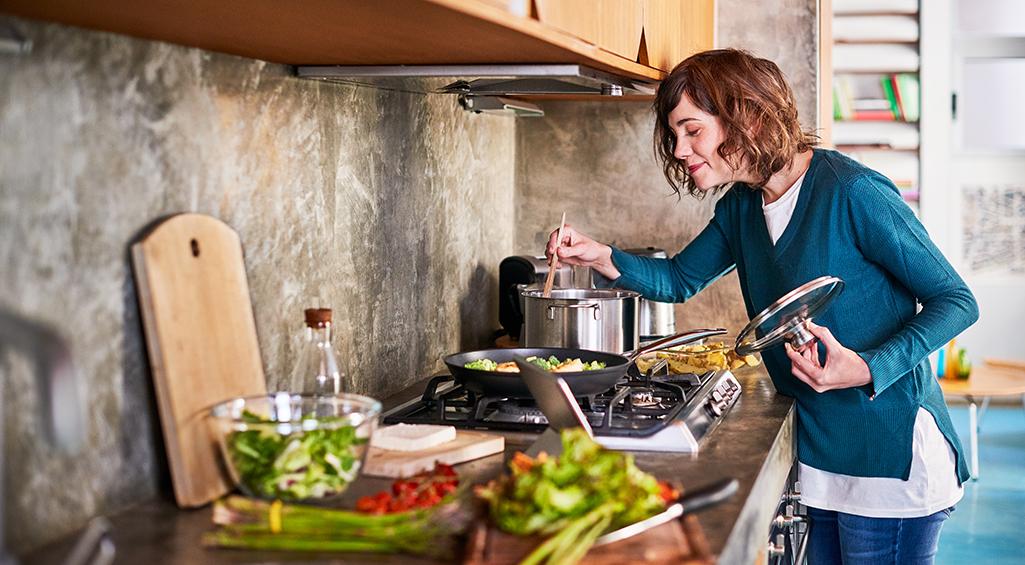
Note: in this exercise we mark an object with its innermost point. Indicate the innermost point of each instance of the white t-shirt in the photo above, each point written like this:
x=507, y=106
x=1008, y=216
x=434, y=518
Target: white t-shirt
x=777, y=214
x=932, y=484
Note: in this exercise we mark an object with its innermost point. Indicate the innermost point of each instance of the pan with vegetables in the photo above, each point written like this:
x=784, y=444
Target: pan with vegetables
x=586, y=372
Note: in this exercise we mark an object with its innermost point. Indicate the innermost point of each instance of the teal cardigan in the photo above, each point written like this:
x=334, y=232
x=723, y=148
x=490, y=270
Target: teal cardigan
x=850, y=222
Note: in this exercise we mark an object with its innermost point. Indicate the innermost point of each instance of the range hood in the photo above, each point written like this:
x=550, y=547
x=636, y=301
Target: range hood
x=485, y=88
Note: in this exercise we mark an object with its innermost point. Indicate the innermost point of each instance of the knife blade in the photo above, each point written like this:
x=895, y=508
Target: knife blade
x=692, y=501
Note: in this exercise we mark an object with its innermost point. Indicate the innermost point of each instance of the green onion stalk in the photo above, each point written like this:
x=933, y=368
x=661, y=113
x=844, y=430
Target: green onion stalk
x=571, y=543
x=246, y=523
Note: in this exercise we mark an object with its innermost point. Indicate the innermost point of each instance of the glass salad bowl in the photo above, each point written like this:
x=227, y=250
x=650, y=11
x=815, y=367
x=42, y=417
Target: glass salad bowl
x=294, y=446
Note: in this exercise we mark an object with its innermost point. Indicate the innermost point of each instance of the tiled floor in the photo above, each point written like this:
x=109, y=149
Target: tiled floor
x=988, y=525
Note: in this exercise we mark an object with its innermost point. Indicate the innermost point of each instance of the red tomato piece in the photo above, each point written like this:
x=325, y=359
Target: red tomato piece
x=667, y=492
x=444, y=470
x=401, y=486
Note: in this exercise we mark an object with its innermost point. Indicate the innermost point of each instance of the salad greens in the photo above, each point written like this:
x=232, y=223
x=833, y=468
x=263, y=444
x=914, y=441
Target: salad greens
x=580, y=495
x=306, y=463
x=549, y=364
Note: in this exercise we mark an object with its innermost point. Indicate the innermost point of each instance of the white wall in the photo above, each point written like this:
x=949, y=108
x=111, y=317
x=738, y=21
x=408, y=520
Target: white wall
x=953, y=31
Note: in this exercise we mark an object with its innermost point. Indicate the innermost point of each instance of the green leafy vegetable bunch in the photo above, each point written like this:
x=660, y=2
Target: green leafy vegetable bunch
x=544, y=495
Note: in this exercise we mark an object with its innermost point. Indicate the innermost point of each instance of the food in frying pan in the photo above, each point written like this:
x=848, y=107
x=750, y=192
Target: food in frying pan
x=552, y=364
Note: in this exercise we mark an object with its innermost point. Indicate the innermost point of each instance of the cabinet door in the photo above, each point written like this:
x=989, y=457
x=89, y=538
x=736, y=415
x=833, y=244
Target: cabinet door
x=577, y=17
x=676, y=29
x=620, y=26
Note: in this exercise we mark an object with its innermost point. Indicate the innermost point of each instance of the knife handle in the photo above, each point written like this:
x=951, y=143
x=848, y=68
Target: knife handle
x=707, y=495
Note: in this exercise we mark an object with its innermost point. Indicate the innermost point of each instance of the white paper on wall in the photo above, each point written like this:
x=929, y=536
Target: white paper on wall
x=994, y=228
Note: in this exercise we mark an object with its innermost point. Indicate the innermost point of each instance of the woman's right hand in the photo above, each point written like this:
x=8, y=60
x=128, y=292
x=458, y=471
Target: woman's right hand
x=579, y=249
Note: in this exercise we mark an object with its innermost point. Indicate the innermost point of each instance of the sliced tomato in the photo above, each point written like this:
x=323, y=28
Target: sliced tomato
x=401, y=486
x=444, y=470
x=421, y=491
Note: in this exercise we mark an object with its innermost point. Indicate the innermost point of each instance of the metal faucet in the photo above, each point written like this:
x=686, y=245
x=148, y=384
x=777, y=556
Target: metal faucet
x=62, y=414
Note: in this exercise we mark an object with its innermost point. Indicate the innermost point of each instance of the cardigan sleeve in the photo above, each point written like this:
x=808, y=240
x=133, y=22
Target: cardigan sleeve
x=888, y=233
x=701, y=262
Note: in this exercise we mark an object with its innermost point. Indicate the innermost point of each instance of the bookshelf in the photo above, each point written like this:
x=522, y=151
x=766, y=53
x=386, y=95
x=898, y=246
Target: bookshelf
x=875, y=88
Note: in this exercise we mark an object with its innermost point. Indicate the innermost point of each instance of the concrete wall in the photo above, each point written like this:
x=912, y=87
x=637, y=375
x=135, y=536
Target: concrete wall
x=595, y=160
x=393, y=208
x=377, y=203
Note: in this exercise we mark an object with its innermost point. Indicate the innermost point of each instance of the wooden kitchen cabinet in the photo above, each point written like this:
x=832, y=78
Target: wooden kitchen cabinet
x=675, y=29
x=580, y=18
x=613, y=25
x=657, y=33
x=622, y=27
x=596, y=33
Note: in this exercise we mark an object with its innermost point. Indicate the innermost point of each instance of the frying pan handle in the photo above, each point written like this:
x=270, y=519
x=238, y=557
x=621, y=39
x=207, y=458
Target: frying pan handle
x=678, y=339
x=709, y=495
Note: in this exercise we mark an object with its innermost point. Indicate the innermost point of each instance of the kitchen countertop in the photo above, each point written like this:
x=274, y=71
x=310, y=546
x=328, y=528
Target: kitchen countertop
x=754, y=444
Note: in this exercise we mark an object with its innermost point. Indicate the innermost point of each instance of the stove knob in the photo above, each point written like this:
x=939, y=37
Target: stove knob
x=714, y=408
x=716, y=395
x=795, y=496
x=777, y=549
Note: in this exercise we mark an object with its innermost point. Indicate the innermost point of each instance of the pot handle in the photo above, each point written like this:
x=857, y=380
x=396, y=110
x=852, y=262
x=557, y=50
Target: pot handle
x=674, y=340
x=596, y=314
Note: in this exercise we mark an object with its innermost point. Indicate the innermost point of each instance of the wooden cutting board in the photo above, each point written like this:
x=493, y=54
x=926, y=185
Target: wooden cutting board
x=467, y=446
x=201, y=338
x=680, y=541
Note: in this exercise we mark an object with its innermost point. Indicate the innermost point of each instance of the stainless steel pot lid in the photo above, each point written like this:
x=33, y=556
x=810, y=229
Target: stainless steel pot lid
x=786, y=319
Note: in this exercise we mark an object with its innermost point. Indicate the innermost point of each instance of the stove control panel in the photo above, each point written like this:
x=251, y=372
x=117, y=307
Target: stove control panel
x=724, y=394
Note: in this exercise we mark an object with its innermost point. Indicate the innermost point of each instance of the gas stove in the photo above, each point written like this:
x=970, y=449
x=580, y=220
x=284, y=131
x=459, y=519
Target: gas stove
x=654, y=412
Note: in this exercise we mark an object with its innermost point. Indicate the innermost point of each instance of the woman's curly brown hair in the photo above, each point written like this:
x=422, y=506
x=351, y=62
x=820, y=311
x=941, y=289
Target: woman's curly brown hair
x=753, y=102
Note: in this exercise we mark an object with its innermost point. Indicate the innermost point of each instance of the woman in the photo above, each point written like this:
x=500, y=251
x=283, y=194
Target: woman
x=879, y=462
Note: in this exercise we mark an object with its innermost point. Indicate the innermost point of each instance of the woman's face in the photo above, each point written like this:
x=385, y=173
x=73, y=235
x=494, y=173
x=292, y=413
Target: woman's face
x=698, y=136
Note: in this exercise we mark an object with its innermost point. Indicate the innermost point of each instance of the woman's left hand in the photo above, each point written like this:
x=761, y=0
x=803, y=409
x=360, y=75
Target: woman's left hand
x=843, y=368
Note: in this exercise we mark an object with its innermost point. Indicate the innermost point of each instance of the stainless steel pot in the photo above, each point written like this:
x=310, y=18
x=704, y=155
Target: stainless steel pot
x=595, y=319
x=656, y=319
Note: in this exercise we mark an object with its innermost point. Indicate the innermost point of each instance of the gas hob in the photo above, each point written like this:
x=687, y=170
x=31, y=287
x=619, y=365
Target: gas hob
x=663, y=412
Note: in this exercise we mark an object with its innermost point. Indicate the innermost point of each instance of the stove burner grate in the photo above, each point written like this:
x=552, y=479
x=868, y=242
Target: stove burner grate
x=636, y=406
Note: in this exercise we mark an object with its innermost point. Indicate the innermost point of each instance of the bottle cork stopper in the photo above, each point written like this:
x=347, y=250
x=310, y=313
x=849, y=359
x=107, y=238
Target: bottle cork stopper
x=317, y=317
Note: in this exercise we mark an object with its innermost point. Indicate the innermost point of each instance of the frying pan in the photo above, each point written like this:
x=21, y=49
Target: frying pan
x=582, y=383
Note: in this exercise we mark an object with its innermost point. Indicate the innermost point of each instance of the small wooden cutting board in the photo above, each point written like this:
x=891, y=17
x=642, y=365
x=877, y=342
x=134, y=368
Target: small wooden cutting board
x=201, y=338
x=679, y=542
x=467, y=446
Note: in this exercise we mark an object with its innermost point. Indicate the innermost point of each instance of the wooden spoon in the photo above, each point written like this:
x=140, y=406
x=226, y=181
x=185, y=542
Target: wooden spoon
x=553, y=263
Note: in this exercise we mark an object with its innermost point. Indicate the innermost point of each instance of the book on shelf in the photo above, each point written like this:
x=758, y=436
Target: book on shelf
x=871, y=104
x=891, y=97
x=906, y=87
x=872, y=116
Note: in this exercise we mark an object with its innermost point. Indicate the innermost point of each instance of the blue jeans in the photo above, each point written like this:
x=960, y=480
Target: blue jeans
x=855, y=540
